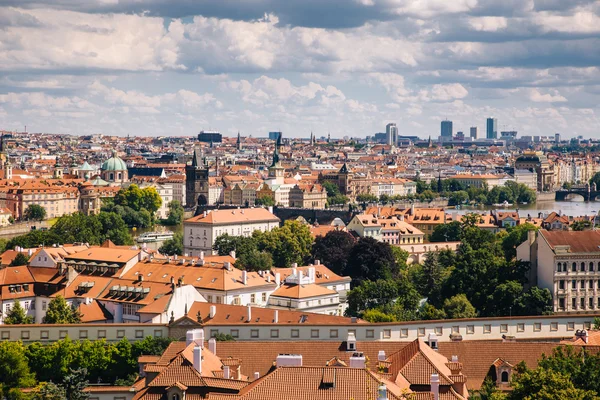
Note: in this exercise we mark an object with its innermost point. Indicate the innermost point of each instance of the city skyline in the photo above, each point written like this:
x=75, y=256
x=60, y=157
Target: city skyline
x=175, y=68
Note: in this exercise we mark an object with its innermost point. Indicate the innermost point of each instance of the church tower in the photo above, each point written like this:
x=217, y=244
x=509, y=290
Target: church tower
x=239, y=142
x=196, y=182
x=276, y=170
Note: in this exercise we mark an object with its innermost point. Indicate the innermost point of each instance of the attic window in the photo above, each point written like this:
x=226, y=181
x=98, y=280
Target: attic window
x=165, y=275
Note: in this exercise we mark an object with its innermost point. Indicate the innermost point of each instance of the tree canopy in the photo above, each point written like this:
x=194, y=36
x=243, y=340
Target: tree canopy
x=174, y=246
x=17, y=315
x=34, y=212
x=60, y=312
x=176, y=212
x=332, y=250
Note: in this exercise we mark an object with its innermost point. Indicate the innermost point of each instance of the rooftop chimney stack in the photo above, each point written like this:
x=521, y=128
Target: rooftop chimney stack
x=289, y=360
x=382, y=392
x=244, y=278
x=249, y=313
x=357, y=360
x=277, y=278
x=212, y=311
x=454, y=358
x=198, y=359
x=317, y=262
x=212, y=345
x=276, y=318
x=202, y=255
x=256, y=375
x=226, y=372
x=433, y=341
x=381, y=355
x=232, y=254
x=435, y=386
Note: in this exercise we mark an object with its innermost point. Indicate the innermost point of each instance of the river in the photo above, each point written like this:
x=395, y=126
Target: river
x=572, y=208
x=157, y=228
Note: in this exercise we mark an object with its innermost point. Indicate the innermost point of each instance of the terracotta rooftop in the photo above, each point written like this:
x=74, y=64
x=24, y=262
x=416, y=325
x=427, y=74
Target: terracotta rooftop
x=244, y=215
x=579, y=241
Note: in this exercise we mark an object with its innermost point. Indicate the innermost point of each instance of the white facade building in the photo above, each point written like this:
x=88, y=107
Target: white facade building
x=201, y=231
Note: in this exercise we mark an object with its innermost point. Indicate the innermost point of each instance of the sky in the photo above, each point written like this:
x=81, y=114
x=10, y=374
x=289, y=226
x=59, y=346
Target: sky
x=344, y=67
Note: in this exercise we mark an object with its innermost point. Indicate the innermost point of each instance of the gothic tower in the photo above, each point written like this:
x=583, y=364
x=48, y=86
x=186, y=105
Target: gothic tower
x=196, y=182
x=276, y=170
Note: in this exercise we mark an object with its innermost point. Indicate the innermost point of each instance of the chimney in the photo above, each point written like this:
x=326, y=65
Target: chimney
x=277, y=278
x=271, y=209
x=300, y=274
x=288, y=360
x=198, y=359
x=140, y=257
x=227, y=265
x=175, y=257
x=232, y=254
x=269, y=278
x=433, y=341
x=212, y=311
x=256, y=375
x=312, y=274
x=181, y=261
x=212, y=345
x=249, y=313
x=454, y=359
x=189, y=337
x=435, y=386
x=381, y=355
x=226, y=372
x=317, y=262
x=294, y=266
x=276, y=318
x=382, y=392
x=204, y=214
x=357, y=360
x=531, y=237
x=244, y=277
x=202, y=255
x=30, y=252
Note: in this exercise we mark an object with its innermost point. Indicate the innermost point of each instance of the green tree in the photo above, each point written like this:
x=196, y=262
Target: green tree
x=449, y=232
x=172, y=246
x=20, y=259
x=371, y=259
x=332, y=250
x=366, y=198
x=596, y=179
x=459, y=307
x=139, y=199
x=17, y=315
x=79, y=227
x=288, y=244
x=374, y=315
x=338, y=199
x=596, y=323
x=583, y=225
x=59, y=312
x=75, y=384
x=515, y=237
x=546, y=384
x=488, y=391
x=429, y=312
x=265, y=200
x=457, y=198
x=331, y=189
x=224, y=337
x=429, y=278
x=14, y=370
x=254, y=260
x=113, y=229
x=176, y=212
x=34, y=212
x=395, y=297
x=47, y=391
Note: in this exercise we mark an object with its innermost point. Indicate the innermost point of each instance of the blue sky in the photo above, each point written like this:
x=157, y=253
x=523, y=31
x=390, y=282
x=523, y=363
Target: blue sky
x=348, y=67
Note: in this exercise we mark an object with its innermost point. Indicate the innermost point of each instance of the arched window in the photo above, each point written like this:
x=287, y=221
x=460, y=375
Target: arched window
x=582, y=267
x=559, y=267
x=574, y=267
x=111, y=177
x=119, y=176
x=592, y=266
x=175, y=397
x=504, y=377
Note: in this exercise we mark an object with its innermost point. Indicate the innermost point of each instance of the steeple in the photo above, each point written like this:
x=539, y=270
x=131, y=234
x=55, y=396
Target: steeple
x=196, y=159
x=329, y=137
x=239, y=141
x=312, y=139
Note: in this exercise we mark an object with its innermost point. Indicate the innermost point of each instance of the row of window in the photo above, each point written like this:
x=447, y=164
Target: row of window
x=581, y=267
x=582, y=284
x=580, y=304
x=83, y=334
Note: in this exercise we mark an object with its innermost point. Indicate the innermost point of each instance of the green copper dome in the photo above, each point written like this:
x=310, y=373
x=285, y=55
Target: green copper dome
x=114, y=164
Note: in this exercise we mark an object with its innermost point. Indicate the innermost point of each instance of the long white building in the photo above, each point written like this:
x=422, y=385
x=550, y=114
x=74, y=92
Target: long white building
x=201, y=231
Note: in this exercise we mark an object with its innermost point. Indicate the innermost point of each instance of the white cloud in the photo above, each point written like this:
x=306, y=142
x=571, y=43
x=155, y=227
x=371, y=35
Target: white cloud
x=536, y=96
x=488, y=24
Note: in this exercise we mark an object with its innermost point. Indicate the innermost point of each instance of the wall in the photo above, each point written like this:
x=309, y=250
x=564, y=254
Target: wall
x=522, y=328
x=52, y=333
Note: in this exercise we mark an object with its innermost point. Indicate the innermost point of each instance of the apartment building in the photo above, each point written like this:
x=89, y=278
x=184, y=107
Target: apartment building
x=201, y=231
x=568, y=264
x=390, y=230
x=56, y=200
x=312, y=196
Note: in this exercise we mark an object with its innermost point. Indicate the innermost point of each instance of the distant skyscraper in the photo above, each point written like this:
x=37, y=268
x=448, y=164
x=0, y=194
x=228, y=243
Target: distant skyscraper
x=557, y=138
x=474, y=132
x=492, y=128
x=446, y=129
x=274, y=135
x=391, y=134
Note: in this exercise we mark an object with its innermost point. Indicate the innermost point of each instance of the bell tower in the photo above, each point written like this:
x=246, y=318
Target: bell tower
x=196, y=182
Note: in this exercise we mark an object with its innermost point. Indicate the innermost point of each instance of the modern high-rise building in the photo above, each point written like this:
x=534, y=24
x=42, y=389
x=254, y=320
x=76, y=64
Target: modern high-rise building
x=274, y=135
x=446, y=131
x=210, y=136
x=474, y=132
x=492, y=128
x=391, y=133
x=557, y=138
